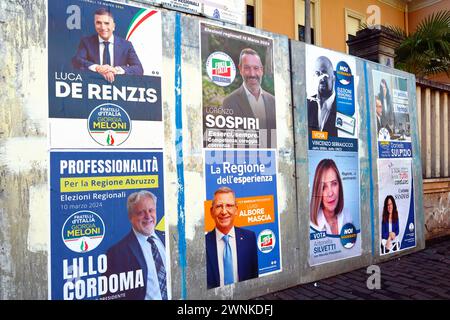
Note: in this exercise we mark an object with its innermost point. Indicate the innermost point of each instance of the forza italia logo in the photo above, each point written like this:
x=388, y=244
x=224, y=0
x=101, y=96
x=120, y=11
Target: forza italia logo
x=221, y=68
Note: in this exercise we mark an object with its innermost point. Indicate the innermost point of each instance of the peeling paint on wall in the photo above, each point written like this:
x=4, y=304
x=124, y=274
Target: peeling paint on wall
x=38, y=227
x=20, y=155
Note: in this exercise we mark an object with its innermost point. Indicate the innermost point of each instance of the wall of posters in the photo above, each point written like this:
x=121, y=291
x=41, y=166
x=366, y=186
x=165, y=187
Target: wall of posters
x=335, y=231
x=395, y=187
x=239, y=125
x=107, y=203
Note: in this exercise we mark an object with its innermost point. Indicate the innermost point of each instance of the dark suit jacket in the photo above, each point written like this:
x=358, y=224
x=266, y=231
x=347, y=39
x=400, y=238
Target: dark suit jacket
x=385, y=229
x=238, y=102
x=313, y=122
x=247, y=256
x=124, y=55
x=127, y=255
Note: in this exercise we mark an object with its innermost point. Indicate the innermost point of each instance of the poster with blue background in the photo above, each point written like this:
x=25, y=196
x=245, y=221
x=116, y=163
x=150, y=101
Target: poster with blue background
x=251, y=175
x=85, y=82
x=89, y=215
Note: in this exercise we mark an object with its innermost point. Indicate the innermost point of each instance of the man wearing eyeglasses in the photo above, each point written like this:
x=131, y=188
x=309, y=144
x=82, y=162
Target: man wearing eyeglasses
x=231, y=252
x=322, y=106
x=142, y=250
x=251, y=101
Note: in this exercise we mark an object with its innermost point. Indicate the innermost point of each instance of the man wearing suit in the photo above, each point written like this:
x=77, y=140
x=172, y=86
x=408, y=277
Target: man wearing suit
x=106, y=53
x=381, y=120
x=251, y=101
x=322, y=107
x=231, y=252
x=141, y=249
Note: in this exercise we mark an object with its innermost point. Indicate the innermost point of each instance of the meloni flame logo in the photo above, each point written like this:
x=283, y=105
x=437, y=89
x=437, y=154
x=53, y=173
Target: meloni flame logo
x=109, y=125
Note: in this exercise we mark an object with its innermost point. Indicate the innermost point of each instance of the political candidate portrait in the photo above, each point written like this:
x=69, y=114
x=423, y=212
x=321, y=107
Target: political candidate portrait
x=106, y=53
x=322, y=106
x=251, y=101
x=143, y=248
x=389, y=226
x=326, y=208
x=231, y=252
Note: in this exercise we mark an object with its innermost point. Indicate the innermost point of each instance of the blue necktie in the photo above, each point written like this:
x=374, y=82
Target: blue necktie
x=106, y=56
x=227, y=261
x=160, y=269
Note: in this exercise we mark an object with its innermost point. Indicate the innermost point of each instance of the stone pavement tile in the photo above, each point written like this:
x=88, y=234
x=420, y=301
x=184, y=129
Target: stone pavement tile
x=302, y=297
x=341, y=283
x=404, y=292
x=422, y=296
x=380, y=296
x=407, y=281
x=440, y=293
x=304, y=291
x=344, y=294
x=325, y=286
x=283, y=295
x=325, y=293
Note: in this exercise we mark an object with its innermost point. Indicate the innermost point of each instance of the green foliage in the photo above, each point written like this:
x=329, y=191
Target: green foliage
x=427, y=50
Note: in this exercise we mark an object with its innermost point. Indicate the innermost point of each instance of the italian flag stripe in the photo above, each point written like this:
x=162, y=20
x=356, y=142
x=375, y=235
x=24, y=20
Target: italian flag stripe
x=140, y=17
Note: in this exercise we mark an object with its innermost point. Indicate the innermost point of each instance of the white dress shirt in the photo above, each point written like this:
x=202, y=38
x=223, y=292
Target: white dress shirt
x=323, y=111
x=220, y=249
x=101, y=49
x=153, y=291
x=257, y=105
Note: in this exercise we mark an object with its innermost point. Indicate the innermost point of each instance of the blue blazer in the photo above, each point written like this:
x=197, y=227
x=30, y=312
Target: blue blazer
x=127, y=255
x=247, y=256
x=385, y=229
x=124, y=55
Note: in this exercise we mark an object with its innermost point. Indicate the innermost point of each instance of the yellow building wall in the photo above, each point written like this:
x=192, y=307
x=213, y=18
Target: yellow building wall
x=333, y=19
x=278, y=16
x=416, y=16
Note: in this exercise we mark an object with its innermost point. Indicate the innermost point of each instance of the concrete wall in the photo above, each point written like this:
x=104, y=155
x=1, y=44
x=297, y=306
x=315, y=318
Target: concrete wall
x=24, y=189
x=24, y=209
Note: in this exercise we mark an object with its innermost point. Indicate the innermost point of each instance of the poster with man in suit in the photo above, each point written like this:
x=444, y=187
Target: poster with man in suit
x=238, y=89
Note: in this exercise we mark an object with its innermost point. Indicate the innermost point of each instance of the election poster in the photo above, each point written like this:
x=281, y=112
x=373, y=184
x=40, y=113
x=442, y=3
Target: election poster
x=391, y=101
x=335, y=221
x=104, y=75
x=396, y=205
x=334, y=201
x=238, y=89
x=331, y=90
x=241, y=203
x=102, y=203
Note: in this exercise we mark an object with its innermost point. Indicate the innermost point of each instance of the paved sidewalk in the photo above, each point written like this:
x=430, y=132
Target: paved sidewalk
x=421, y=275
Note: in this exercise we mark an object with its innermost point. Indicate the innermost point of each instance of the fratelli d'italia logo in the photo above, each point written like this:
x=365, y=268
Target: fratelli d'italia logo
x=220, y=68
x=109, y=125
x=83, y=231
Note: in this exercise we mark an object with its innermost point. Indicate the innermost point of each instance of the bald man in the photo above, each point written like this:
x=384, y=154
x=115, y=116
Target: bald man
x=322, y=106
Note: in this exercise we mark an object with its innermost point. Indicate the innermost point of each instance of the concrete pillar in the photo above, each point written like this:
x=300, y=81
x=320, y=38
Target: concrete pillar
x=376, y=44
x=437, y=134
x=444, y=135
x=427, y=133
